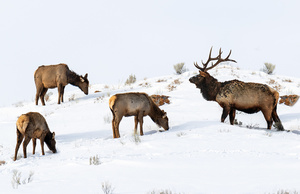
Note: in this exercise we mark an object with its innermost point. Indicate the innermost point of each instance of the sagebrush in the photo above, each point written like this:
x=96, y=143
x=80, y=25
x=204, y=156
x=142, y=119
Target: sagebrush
x=107, y=188
x=179, y=68
x=94, y=160
x=130, y=80
x=269, y=68
x=16, y=179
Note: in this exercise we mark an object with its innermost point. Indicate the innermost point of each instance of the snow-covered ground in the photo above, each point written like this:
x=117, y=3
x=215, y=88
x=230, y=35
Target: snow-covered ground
x=198, y=154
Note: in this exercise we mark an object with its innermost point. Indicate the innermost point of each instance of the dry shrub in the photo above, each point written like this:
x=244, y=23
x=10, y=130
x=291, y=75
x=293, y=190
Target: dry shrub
x=161, y=80
x=271, y=81
x=287, y=80
x=160, y=99
x=107, y=188
x=277, y=87
x=179, y=68
x=145, y=84
x=171, y=87
x=269, y=68
x=107, y=118
x=94, y=160
x=72, y=97
x=47, y=96
x=177, y=82
x=130, y=80
x=289, y=100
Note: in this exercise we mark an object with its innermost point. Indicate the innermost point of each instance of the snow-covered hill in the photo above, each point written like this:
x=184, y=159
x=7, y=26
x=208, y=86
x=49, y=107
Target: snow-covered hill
x=198, y=154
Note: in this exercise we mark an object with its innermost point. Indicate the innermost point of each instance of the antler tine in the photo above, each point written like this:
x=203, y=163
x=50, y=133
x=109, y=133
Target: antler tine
x=198, y=67
x=208, y=60
x=220, y=53
x=220, y=60
x=227, y=58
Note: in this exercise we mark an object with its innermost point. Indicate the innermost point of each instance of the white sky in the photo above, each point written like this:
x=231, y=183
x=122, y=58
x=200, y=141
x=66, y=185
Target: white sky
x=112, y=39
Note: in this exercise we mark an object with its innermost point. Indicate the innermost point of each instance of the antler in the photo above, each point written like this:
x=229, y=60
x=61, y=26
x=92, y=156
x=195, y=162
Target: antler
x=220, y=60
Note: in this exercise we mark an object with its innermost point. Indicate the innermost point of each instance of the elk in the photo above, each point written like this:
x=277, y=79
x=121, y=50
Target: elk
x=33, y=125
x=236, y=95
x=137, y=105
x=52, y=76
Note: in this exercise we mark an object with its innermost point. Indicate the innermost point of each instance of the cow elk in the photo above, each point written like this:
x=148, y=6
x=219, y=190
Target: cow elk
x=137, y=105
x=33, y=126
x=237, y=95
x=52, y=76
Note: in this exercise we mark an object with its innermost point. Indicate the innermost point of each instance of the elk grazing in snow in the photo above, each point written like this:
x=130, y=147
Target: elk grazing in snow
x=52, y=76
x=237, y=95
x=137, y=105
x=33, y=125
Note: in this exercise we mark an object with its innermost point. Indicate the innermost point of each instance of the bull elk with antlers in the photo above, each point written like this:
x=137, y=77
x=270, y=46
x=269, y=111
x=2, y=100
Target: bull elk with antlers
x=237, y=95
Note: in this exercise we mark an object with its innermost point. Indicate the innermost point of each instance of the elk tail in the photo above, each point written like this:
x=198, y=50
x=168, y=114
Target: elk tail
x=112, y=101
x=22, y=123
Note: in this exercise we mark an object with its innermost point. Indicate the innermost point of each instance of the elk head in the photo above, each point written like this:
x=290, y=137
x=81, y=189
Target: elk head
x=84, y=84
x=163, y=121
x=50, y=141
x=203, y=74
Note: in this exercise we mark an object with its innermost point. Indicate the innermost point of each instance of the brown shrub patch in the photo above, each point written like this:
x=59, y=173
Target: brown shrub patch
x=160, y=99
x=289, y=100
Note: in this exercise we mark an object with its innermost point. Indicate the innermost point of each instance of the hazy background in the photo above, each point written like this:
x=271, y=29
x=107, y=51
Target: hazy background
x=110, y=39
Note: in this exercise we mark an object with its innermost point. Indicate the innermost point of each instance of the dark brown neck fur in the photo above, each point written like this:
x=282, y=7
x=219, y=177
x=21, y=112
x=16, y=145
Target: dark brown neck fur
x=73, y=78
x=155, y=111
x=48, y=138
x=210, y=87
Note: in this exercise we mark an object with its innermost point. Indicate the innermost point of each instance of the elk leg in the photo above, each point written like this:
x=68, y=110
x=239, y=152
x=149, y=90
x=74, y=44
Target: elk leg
x=116, y=123
x=232, y=116
x=113, y=123
x=38, y=93
x=59, y=88
x=42, y=144
x=62, y=93
x=20, y=137
x=140, y=117
x=113, y=127
x=277, y=120
x=34, y=145
x=117, y=131
x=225, y=113
x=268, y=116
x=42, y=96
x=25, y=143
x=136, y=120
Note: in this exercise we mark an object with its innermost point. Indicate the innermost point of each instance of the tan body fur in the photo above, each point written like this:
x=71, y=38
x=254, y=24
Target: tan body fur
x=52, y=76
x=138, y=105
x=33, y=126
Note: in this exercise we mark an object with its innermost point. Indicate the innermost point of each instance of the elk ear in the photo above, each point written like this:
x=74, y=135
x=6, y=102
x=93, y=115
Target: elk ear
x=81, y=79
x=164, y=114
x=86, y=75
x=53, y=135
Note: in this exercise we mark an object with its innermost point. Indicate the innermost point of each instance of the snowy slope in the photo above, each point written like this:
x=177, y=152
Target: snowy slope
x=198, y=154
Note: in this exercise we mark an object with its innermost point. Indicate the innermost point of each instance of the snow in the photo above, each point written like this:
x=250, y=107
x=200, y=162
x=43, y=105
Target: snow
x=198, y=154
